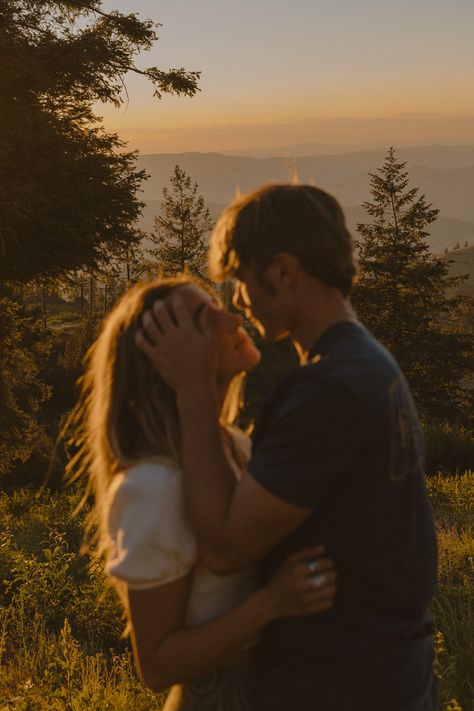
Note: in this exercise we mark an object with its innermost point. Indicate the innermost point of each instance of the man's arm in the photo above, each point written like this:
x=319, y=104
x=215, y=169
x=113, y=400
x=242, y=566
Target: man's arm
x=236, y=523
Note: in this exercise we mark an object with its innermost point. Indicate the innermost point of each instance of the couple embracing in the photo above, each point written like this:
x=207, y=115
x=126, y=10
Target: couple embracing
x=293, y=574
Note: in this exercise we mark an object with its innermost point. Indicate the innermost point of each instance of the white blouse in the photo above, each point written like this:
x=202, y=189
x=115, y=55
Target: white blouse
x=152, y=543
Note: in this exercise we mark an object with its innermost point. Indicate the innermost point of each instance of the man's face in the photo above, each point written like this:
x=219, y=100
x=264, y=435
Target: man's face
x=236, y=352
x=262, y=307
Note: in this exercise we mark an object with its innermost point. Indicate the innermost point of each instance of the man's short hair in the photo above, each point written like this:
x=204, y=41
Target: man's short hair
x=297, y=219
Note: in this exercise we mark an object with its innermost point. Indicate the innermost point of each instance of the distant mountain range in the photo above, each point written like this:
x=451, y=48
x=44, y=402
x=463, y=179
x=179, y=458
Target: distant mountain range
x=294, y=150
x=446, y=232
x=463, y=263
x=298, y=150
x=445, y=174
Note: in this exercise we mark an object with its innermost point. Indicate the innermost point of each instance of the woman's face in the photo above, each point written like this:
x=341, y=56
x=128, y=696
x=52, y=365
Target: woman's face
x=236, y=350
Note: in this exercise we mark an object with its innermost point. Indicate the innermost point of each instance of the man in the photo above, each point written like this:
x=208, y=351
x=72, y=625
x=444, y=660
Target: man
x=337, y=458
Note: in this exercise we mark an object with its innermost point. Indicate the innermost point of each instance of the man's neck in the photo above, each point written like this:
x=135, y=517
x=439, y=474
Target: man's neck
x=313, y=319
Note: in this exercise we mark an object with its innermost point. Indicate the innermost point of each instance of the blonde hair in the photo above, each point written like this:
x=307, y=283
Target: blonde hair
x=126, y=412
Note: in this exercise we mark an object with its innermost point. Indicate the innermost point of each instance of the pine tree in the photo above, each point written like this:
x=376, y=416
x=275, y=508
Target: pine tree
x=404, y=294
x=68, y=189
x=181, y=228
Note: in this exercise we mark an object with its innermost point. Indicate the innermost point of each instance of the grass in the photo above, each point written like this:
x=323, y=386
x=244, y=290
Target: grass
x=453, y=606
x=60, y=624
x=449, y=449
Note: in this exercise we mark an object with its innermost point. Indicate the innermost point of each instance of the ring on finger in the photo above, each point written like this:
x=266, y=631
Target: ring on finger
x=313, y=567
x=317, y=581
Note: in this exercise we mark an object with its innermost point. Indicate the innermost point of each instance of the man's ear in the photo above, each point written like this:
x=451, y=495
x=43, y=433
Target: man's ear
x=282, y=272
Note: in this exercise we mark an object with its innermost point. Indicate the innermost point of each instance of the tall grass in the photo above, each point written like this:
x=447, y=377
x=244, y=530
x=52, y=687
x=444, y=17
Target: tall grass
x=60, y=624
x=449, y=448
x=453, y=605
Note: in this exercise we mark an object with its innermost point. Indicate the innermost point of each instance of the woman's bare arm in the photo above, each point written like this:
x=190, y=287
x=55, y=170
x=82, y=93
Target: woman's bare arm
x=166, y=652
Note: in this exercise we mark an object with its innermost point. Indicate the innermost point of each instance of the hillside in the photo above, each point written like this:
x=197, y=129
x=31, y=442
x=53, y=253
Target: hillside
x=444, y=174
x=463, y=263
x=445, y=232
x=434, y=156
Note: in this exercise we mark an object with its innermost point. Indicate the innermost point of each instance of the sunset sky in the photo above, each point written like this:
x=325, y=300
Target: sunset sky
x=274, y=73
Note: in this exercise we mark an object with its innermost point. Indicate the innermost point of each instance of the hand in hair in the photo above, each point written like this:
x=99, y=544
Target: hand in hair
x=179, y=348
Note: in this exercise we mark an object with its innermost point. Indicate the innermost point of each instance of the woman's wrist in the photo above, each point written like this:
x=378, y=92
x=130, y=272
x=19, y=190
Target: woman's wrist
x=266, y=605
x=202, y=393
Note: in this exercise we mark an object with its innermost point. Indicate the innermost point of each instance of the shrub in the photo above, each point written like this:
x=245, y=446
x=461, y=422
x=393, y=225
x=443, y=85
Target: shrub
x=449, y=449
x=43, y=572
x=452, y=499
x=56, y=674
x=60, y=622
x=453, y=605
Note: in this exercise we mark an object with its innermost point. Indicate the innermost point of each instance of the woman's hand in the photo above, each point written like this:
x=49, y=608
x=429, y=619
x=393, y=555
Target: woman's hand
x=305, y=584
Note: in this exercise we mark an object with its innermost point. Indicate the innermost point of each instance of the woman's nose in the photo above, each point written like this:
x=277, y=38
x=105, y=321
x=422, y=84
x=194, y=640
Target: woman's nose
x=233, y=321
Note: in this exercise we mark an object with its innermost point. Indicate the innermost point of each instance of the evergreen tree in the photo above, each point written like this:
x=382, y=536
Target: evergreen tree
x=181, y=228
x=24, y=350
x=67, y=187
x=68, y=194
x=403, y=294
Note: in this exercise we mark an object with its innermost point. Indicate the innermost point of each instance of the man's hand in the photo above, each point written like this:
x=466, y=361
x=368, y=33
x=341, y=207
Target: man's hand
x=184, y=355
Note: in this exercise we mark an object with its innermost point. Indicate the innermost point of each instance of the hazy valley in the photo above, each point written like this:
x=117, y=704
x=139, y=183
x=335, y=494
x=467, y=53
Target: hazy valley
x=445, y=174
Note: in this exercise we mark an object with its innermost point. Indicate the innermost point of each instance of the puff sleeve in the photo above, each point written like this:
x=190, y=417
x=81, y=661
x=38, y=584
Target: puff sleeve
x=151, y=542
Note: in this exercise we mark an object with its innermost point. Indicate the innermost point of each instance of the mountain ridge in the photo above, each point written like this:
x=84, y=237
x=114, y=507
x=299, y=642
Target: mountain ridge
x=445, y=233
x=449, y=187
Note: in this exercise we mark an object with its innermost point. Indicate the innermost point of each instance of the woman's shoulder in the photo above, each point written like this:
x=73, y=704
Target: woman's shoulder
x=149, y=474
x=150, y=540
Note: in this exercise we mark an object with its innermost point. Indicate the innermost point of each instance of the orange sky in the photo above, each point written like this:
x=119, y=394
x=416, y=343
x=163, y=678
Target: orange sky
x=277, y=73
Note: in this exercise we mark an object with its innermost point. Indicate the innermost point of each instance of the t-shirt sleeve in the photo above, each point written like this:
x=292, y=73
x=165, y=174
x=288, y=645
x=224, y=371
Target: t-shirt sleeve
x=151, y=542
x=309, y=442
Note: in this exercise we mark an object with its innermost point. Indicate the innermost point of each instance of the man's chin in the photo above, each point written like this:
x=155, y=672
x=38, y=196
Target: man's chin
x=269, y=334
x=273, y=336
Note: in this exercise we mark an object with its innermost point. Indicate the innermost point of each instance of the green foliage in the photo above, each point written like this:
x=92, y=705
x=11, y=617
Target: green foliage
x=60, y=623
x=449, y=448
x=24, y=349
x=57, y=674
x=38, y=374
x=67, y=187
x=181, y=228
x=452, y=498
x=453, y=605
x=43, y=573
x=402, y=295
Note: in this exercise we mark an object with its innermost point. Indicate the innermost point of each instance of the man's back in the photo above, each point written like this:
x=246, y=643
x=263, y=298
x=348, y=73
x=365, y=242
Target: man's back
x=341, y=435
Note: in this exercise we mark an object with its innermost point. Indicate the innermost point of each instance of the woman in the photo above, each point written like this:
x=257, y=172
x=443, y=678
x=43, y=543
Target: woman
x=189, y=626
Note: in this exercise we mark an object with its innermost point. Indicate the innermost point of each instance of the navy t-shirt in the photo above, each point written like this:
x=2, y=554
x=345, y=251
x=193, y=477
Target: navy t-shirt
x=341, y=436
